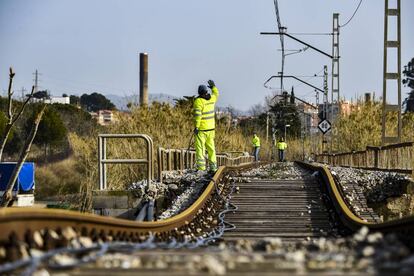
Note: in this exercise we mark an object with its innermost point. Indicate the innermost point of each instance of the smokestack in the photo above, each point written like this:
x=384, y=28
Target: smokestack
x=143, y=79
x=368, y=97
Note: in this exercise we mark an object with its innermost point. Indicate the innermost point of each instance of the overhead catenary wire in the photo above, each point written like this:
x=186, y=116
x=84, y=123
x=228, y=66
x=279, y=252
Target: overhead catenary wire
x=350, y=19
x=310, y=33
x=316, y=75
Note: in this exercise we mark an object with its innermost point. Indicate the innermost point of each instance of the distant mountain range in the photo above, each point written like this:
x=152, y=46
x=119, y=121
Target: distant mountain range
x=121, y=101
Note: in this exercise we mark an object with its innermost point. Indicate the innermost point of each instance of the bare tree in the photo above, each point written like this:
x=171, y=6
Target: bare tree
x=11, y=118
x=257, y=110
x=7, y=196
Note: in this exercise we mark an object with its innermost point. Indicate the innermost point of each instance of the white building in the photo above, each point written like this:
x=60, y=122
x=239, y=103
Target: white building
x=58, y=100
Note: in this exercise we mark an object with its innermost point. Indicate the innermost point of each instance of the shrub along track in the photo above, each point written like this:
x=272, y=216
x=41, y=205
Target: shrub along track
x=198, y=225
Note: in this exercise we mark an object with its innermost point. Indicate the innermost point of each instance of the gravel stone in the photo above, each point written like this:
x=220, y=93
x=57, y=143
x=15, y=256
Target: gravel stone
x=376, y=185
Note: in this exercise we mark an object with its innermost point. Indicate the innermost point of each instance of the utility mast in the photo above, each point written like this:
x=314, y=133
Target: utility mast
x=23, y=91
x=335, y=103
x=335, y=63
x=392, y=80
x=36, y=81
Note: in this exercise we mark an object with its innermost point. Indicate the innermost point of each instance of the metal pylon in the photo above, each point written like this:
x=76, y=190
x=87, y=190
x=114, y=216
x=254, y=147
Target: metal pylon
x=335, y=77
x=335, y=61
x=391, y=76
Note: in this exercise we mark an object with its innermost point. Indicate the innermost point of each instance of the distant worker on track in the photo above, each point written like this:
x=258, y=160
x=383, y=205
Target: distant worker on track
x=256, y=146
x=204, y=130
x=281, y=146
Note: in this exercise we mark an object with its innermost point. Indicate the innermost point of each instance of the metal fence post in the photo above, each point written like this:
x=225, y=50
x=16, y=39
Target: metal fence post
x=104, y=165
x=103, y=161
x=100, y=166
x=160, y=165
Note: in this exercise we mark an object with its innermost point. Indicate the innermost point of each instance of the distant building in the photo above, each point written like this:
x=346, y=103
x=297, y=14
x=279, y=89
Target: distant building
x=332, y=111
x=103, y=117
x=222, y=114
x=58, y=100
x=346, y=108
x=308, y=117
x=45, y=97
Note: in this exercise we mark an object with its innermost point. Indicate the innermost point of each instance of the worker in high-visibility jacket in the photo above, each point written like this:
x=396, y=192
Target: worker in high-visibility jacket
x=204, y=122
x=256, y=146
x=281, y=146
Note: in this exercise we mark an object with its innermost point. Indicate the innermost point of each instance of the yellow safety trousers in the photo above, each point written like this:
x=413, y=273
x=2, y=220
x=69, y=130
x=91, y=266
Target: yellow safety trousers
x=204, y=140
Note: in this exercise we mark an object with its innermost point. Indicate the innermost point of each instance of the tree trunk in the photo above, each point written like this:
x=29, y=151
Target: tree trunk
x=9, y=113
x=7, y=196
x=11, y=118
x=6, y=134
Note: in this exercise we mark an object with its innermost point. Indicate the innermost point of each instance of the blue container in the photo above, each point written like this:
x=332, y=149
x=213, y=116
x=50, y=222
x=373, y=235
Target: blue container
x=25, y=180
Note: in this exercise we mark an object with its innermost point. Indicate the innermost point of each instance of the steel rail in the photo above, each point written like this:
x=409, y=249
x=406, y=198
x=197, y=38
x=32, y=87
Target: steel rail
x=18, y=221
x=346, y=215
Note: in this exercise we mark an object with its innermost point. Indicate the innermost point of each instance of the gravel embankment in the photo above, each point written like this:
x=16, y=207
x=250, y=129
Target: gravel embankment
x=376, y=185
x=362, y=252
x=191, y=184
x=179, y=190
x=286, y=171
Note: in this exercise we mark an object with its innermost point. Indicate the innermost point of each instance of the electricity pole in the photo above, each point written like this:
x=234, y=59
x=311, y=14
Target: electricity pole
x=335, y=62
x=267, y=126
x=335, y=95
x=23, y=93
x=389, y=78
x=36, y=80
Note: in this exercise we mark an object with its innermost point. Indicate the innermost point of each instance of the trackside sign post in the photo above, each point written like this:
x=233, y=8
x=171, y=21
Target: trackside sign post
x=324, y=126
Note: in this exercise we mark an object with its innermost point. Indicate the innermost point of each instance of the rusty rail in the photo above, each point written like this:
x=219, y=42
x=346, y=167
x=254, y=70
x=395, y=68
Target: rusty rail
x=347, y=216
x=23, y=222
x=395, y=157
x=182, y=159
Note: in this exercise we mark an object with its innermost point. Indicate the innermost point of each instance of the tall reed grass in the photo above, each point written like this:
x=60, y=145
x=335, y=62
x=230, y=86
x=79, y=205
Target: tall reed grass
x=169, y=127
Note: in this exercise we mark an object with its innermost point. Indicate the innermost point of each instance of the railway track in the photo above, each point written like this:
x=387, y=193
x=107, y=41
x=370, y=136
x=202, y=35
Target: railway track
x=293, y=210
x=289, y=209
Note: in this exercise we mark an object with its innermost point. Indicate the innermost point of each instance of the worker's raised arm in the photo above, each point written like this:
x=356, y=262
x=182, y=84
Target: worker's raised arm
x=214, y=90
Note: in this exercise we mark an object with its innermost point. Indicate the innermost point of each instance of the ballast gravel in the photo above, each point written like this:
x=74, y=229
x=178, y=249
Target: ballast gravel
x=363, y=252
x=376, y=185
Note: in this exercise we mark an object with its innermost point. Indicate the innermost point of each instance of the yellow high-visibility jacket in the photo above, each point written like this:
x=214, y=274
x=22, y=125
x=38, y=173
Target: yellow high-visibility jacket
x=256, y=141
x=204, y=111
x=281, y=145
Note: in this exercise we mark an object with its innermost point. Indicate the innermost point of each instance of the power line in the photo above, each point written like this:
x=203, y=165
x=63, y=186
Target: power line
x=310, y=33
x=356, y=10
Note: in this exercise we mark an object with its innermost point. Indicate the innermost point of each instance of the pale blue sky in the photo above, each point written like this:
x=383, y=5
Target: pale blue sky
x=82, y=46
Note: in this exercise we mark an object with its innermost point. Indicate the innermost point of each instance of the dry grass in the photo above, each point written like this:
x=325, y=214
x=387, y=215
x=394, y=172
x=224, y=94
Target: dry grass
x=363, y=128
x=169, y=127
x=360, y=129
x=57, y=179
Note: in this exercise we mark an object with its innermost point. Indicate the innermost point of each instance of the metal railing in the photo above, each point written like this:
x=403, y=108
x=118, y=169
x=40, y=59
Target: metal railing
x=181, y=159
x=102, y=158
x=395, y=157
